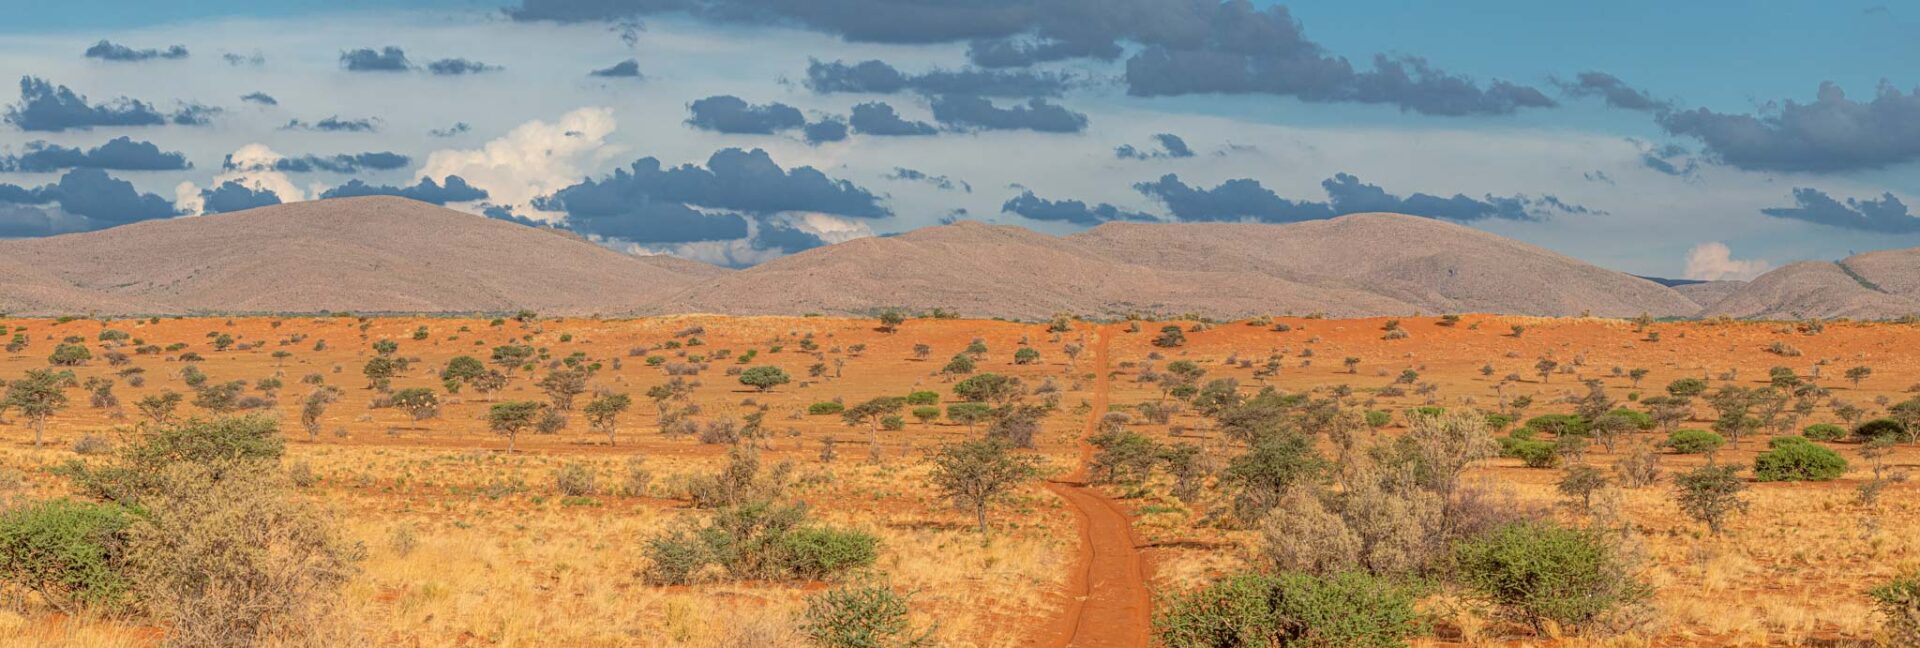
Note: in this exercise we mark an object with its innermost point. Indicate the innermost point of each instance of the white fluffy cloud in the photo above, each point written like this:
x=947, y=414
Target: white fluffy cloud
x=253, y=167
x=1713, y=261
x=534, y=159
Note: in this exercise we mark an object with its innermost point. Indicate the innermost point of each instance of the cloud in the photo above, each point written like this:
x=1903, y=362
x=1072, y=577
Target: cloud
x=261, y=98
x=1616, y=92
x=1171, y=146
x=880, y=21
x=426, y=190
x=826, y=130
x=386, y=59
x=878, y=118
x=450, y=131
x=646, y=195
x=1018, y=52
x=1831, y=134
x=120, y=153
x=943, y=182
x=458, y=66
x=233, y=195
x=110, y=51
x=534, y=159
x=1036, y=115
x=730, y=114
x=88, y=199
x=254, y=167
x=237, y=60
x=877, y=77
x=1886, y=215
x=1033, y=207
x=1245, y=199
x=335, y=124
x=628, y=69
x=46, y=107
x=339, y=163
x=1714, y=262
x=1672, y=159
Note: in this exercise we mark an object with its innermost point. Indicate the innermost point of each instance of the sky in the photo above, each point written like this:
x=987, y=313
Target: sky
x=1703, y=140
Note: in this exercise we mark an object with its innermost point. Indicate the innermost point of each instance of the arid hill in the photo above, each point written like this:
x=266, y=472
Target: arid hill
x=394, y=255
x=362, y=254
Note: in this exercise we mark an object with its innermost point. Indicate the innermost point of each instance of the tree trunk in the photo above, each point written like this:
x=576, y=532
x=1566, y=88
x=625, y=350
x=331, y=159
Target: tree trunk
x=39, y=426
x=510, y=439
x=980, y=515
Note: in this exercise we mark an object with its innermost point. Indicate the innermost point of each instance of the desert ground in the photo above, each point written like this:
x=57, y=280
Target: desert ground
x=469, y=544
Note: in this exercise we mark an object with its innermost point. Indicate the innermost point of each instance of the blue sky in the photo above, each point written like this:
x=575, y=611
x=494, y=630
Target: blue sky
x=735, y=145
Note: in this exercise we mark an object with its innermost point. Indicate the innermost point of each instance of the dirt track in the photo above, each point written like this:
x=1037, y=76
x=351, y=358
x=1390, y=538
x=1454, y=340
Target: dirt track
x=1107, y=598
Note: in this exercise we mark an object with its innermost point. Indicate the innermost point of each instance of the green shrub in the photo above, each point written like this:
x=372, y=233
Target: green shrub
x=817, y=553
x=1882, y=428
x=1535, y=454
x=1378, y=418
x=1797, y=459
x=868, y=614
x=674, y=558
x=1694, y=441
x=826, y=408
x=1538, y=571
x=1641, y=420
x=69, y=551
x=1291, y=609
x=1824, y=432
x=68, y=355
x=1559, y=424
x=923, y=398
x=1899, y=601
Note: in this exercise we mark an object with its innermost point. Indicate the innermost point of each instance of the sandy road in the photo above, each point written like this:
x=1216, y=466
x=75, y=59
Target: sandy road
x=1107, y=601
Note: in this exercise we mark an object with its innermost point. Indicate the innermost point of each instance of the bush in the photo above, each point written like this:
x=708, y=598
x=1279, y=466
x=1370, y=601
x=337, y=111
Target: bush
x=574, y=480
x=815, y=554
x=1539, y=572
x=1899, y=601
x=1559, y=424
x=761, y=540
x=1291, y=609
x=70, y=552
x=1880, y=429
x=1694, y=441
x=1641, y=420
x=826, y=408
x=1378, y=418
x=1797, y=459
x=1535, y=454
x=868, y=614
x=923, y=398
x=1824, y=432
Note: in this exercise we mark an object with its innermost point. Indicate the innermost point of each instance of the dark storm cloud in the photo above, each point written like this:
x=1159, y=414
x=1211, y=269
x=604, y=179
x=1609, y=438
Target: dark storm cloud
x=915, y=175
x=730, y=114
x=877, y=77
x=99, y=199
x=1247, y=200
x=386, y=59
x=46, y=107
x=733, y=180
x=1885, y=215
x=505, y=213
x=455, y=189
x=1831, y=134
x=628, y=69
x=458, y=66
x=826, y=130
x=878, y=118
x=649, y=221
x=1616, y=92
x=1171, y=146
x=335, y=124
x=1034, y=207
x=120, y=153
x=785, y=238
x=340, y=163
x=234, y=196
x=261, y=98
x=967, y=112
x=111, y=51
x=1185, y=46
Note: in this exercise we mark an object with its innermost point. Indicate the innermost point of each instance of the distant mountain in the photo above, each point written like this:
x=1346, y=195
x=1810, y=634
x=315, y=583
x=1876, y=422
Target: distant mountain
x=381, y=254
x=359, y=254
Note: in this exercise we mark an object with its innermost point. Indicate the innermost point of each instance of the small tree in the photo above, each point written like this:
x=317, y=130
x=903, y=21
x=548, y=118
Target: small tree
x=1580, y=482
x=959, y=365
x=315, y=407
x=604, y=412
x=1537, y=571
x=512, y=417
x=463, y=369
x=1857, y=374
x=160, y=407
x=890, y=320
x=418, y=402
x=1709, y=494
x=764, y=378
x=69, y=355
x=562, y=386
x=871, y=412
x=978, y=473
x=38, y=396
x=1170, y=336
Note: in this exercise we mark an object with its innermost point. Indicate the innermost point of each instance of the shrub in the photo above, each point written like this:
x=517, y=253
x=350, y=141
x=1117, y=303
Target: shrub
x=1538, y=572
x=1378, y=418
x=68, y=355
x=1899, y=601
x=1882, y=428
x=1824, y=432
x=923, y=398
x=826, y=408
x=867, y=614
x=1559, y=424
x=1694, y=441
x=818, y=553
x=574, y=480
x=1535, y=454
x=70, y=552
x=1291, y=609
x=1797, y=459
x=1641, y=420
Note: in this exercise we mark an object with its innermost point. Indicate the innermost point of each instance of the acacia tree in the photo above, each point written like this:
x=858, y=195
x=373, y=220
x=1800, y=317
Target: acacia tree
x=764, y=378
x=418, y=402
x=314, y=408
x=1710, y=494
x=978, y=473
x=510, y=418
x=38, y=396
x=561, y=386
x=604, y=412
x=891, y=320
x=870, y=414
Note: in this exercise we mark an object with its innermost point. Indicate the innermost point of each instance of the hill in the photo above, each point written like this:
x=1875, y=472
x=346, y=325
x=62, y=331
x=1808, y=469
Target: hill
x=1875, y=285
x=373, y=254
